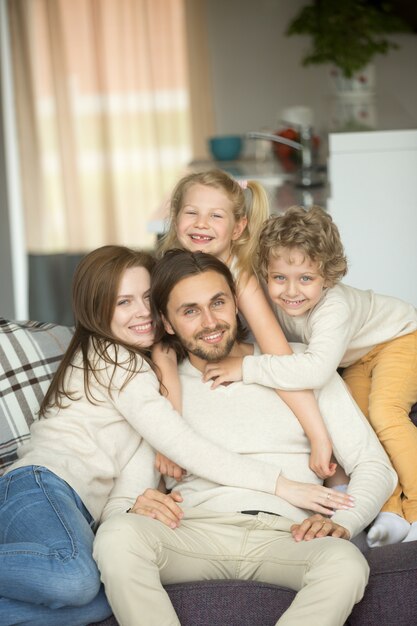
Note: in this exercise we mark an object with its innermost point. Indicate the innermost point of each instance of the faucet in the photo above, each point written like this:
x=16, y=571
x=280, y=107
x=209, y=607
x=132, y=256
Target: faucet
x=306, y=177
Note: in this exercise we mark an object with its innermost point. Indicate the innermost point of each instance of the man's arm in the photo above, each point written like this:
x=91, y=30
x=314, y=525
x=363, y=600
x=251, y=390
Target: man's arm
x=358, y=450
x=137, y=476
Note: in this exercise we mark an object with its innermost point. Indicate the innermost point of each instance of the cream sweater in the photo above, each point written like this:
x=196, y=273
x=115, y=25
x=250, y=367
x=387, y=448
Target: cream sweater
x=344, y=326
x=254, y=421
x=88, y=445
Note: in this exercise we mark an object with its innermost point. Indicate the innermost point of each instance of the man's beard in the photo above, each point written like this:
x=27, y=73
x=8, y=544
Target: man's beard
x=213, y=352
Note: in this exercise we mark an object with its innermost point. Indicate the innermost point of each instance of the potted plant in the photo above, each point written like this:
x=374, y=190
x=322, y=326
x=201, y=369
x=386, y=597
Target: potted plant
x=348, y=34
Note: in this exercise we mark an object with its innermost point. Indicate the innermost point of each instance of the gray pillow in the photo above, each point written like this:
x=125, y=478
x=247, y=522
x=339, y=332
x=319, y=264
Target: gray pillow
x=29, y=355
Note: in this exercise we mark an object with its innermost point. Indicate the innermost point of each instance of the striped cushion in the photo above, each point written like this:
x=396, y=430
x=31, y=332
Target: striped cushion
x=29, y=355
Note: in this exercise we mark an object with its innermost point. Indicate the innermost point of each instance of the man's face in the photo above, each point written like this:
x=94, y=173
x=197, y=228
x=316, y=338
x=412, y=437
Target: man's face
x=201, y=312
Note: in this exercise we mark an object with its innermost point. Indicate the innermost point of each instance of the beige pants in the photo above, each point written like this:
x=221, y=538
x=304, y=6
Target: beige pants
x=137, y=555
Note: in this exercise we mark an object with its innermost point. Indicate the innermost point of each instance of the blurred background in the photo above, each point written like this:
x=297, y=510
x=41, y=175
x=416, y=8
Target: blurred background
x=106, y=103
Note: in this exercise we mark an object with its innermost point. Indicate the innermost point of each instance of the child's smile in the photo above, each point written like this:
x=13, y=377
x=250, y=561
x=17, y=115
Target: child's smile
x=206, y=222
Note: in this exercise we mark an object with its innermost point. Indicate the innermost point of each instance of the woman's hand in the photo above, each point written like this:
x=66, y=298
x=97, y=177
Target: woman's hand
x=320, y=458
x=160, y=506
x=312, y=497
x=318, y=526
x=168, y=468
x=227, y=370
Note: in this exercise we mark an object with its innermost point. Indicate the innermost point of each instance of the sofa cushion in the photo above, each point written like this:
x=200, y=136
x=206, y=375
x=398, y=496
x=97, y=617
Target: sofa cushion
x=29, y=354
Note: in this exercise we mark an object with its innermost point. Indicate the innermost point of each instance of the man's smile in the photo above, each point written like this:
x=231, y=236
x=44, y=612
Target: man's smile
x=213, y=337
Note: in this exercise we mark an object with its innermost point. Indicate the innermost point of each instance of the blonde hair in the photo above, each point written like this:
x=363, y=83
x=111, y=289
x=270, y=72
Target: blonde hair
x=312, y=231
x=256, y=211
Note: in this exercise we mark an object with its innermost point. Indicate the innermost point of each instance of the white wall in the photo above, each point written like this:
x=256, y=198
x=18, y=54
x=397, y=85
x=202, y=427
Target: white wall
x=257, y=71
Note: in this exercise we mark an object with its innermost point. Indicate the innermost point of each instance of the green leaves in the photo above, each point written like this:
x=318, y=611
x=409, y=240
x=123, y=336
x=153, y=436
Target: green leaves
x=347, y=33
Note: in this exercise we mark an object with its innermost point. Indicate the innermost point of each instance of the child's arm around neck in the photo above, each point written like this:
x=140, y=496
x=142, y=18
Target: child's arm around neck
x=253, y=305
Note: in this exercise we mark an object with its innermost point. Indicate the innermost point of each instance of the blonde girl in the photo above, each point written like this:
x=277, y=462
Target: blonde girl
x=212, y=212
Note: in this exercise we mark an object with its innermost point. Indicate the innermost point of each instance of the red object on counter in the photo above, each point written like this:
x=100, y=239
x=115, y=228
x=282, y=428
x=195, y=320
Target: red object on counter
x=290, y=158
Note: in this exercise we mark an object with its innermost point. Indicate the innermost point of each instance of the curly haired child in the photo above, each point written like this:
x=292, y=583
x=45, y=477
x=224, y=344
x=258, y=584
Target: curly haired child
x=372, y=336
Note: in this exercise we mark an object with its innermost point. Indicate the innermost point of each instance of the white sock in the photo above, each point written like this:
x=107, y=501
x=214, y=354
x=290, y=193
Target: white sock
x=387, y=528
x=412, y=533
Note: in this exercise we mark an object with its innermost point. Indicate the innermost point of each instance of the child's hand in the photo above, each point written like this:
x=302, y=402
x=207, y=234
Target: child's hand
x=225, y=371
x=320, y=458
x=168, y=468
x=162, y=354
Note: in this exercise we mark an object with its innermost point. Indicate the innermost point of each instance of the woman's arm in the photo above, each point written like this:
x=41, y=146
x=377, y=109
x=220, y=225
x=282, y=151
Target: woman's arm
x=152, y=416
x=255, y=308
x=136, y=489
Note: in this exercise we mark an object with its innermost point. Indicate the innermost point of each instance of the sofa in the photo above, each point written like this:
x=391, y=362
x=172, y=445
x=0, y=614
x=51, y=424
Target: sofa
x=29, y=354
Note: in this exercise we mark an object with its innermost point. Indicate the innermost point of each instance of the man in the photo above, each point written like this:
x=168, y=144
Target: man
x=230, y=532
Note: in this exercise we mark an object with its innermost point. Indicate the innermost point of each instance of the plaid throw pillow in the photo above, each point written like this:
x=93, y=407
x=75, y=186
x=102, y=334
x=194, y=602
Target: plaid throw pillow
x=29, y=355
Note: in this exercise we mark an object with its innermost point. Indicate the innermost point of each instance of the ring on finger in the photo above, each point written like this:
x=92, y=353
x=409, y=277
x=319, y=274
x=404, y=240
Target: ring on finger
x=329, y=495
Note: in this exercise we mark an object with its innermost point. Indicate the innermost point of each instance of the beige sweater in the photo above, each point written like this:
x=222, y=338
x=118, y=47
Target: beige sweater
x=344, y=326
x=88, y=445
x=252, y=420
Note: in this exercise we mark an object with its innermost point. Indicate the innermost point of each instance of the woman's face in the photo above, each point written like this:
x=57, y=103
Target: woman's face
x=131, y=322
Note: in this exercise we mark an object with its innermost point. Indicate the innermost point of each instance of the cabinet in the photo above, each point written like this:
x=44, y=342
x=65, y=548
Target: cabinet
x=373, y=200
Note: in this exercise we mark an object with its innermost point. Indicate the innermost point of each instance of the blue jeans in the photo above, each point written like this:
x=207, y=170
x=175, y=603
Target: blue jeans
x=47, y=573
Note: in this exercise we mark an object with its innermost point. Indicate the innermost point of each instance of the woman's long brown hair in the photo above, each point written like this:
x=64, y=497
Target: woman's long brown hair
x=94, y=293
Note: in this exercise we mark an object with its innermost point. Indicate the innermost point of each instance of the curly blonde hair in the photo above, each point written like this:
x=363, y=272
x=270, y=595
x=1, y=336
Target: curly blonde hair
x=256, y=211
x=313, y=232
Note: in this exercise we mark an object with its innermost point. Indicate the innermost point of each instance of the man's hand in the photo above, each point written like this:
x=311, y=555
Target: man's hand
x=227, y=370
x=318, y=526
x=312, y=497
x=168, y=468
x=320, y=458
x=160, y=506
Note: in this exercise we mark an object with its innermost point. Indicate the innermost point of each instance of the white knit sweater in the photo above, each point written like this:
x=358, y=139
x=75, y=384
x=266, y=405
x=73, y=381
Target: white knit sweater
x=252, y=420
x=344, y=326
x=88, y=445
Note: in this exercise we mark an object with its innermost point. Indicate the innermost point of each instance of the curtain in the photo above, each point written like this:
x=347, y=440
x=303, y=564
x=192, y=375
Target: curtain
x=113, y=99
x=103, y=109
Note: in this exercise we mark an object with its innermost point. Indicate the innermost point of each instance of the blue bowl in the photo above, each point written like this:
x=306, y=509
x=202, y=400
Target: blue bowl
x=226, y=147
